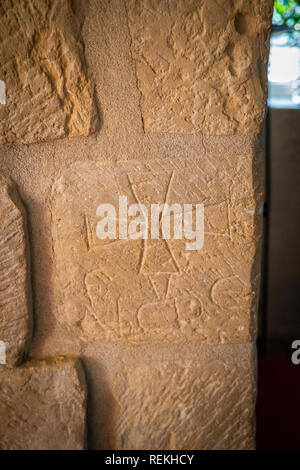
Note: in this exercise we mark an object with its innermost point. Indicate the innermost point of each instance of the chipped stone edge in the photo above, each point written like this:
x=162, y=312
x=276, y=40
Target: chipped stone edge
x=13, y=194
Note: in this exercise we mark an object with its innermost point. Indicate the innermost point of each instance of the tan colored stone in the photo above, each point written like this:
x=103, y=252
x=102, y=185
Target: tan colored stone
x=48, y=91
x=15, y=288
x=197, y=405
x=201, y=65
x=70, y=290
x=155, y=289
x=43, y=406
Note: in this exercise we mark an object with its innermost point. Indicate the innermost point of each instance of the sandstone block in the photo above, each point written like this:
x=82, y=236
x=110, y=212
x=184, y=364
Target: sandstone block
x=197, y=405
x=48, y=91
x=201, y=65
x=155, y=289
x=15, y=289
x=42, y=406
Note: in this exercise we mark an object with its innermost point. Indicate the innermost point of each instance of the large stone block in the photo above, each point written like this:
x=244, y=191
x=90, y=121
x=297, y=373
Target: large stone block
x=208, y=403
x=201, y=65
x=15, y=288
x=43, y=406
x=156, y=289
x=48, y=91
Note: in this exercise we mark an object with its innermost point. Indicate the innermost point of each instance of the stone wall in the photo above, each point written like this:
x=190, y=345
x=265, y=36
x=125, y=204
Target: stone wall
x=136, y=344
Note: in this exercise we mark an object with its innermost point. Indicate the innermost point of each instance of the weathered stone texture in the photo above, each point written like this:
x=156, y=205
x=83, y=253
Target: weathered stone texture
x=201, y=65
x=15, y=290
x=42, y=406
x=48, y=91
x=146, y=290
x=180, y=406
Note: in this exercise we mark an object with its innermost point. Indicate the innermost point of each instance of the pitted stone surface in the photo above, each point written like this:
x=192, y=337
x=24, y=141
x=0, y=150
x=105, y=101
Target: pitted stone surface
x=43, y=406
x=143, y=290
x=15, y=289
x=85, y=289
x=48, y=91
x=201, y=65
x=177, y=405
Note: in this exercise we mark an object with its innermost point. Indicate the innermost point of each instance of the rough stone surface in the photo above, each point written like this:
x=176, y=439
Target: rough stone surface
x=42, y=406
x=63, y=310
x=204, y=404
x=15, y=288
x=48, y=91
x=201, y=65
x=155, y=289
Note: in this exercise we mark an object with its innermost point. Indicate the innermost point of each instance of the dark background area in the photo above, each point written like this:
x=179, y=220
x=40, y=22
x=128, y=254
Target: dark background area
x=278, y=401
